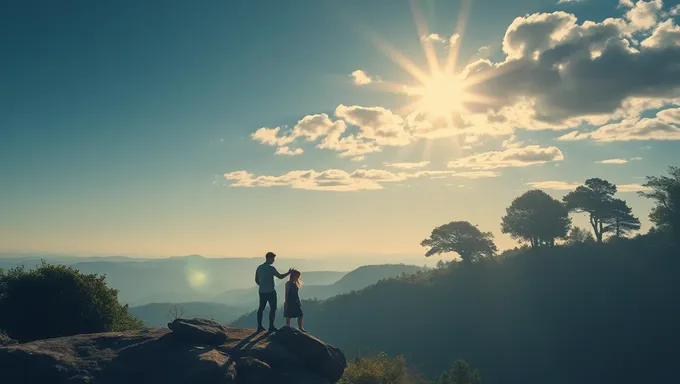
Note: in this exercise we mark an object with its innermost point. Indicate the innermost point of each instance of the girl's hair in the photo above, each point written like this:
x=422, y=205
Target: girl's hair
x=295, y=277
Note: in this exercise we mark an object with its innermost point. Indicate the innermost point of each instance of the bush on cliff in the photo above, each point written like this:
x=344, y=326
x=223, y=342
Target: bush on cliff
x=54, y=300
x=380, y=369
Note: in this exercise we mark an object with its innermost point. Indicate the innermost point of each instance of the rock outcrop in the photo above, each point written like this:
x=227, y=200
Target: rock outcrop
x=191, y=351
x=6, y=340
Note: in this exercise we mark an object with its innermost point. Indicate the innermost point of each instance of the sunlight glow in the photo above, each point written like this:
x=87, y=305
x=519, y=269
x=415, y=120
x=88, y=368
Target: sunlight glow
x=441, y=91
x=196, y=278
x=441, y=95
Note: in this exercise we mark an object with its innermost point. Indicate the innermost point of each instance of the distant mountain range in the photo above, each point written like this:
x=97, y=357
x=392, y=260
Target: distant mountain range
x=314, y=289
x=228, y=306
x=192, y=278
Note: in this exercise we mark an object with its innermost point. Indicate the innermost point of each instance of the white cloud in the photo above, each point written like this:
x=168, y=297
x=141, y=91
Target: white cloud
x=629, y=130
x=357, y=159
x=644, y=14
x=453, y=40
x=329, y=180
x=314, y=126
x=666, y=35
x=484, y=52
x=340, y=180
x=626, y=3
x=360, y=77
x=635, y=158
x=553, y=185
x=421, y=164
x=631, y=188
x=270, y=136
x=433, y=37
x=671, y=115
x=551, y=63
x=613, y=161
x=511, y=157
x=348, y=146
x=675, y=11
x=512, y=142
x=287, y=151
x=476, y=174
x=376, y=123
x=569, y=1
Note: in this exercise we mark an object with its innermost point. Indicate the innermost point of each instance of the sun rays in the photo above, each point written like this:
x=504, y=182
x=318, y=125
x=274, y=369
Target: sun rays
x=440, y=91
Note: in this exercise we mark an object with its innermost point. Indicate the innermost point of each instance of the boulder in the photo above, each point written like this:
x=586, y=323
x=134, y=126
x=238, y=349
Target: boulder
x=160, y=356
x=253, y=371
x=320, y=358
x=199, y=331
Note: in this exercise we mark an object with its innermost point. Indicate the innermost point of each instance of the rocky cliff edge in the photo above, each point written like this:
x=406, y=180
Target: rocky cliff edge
x=188, y=351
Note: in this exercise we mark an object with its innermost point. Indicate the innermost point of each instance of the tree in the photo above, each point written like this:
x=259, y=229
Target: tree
x=666, y=192
x=460, y=373
x=621, y=220
x=537, y=218
x=460, y=237
x=55, y=300
x=578, y=235
x=593, y=198
x=380, y=369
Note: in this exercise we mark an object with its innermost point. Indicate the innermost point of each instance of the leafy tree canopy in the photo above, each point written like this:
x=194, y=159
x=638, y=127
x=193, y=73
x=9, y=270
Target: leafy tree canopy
x=54, y=300
x=380, y=369
x=578, y=235
x=537, y=218
x=666, y=193
x=621, y=220
x=593, y=198
x=460, y=237
x=460, y=373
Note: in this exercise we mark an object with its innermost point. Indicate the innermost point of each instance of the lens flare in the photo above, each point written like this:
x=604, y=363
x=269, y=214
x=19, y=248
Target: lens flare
x=196, y=278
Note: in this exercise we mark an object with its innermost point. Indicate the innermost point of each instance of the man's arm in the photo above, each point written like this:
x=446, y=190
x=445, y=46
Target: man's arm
x=257, y=277
x=280, y=275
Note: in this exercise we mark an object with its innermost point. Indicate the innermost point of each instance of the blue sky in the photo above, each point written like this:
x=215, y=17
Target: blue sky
x=120, y=120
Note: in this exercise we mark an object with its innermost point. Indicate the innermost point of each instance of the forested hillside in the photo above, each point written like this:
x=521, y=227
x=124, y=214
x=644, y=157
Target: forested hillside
x=596, y=309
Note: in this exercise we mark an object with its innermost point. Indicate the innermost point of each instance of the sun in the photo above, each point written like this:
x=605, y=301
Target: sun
x=441, y=95
x=441, y=91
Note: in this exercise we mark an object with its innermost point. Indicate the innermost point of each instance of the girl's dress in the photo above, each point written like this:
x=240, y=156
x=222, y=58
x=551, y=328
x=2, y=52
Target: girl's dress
x=293, y=306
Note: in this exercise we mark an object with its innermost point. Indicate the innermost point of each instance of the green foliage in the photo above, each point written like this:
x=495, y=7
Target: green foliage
x=460, y=237
x=593, y=198
x=620, y=220
x=54, y=300
x=460, y=373
x=588, y=306
x=578, y=235
x=537, y=218
x=666, y=193
x=380, y=369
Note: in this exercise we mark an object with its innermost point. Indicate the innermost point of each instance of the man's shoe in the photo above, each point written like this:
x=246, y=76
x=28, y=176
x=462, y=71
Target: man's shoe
x=272, y=329
x=260, y=329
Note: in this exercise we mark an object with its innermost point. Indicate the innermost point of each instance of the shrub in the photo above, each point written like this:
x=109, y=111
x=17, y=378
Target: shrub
x=54, y=300
x=380, y=369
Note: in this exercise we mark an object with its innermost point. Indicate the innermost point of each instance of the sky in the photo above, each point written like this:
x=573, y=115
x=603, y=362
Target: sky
x=320, y=128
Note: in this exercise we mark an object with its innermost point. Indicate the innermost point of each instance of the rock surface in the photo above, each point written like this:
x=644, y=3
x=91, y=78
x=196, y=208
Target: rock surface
x=170, y=356
x=6, y=340
x=199, y=330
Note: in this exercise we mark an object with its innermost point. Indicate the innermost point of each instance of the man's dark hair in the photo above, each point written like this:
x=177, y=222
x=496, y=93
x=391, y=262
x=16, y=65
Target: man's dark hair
x=269, y=255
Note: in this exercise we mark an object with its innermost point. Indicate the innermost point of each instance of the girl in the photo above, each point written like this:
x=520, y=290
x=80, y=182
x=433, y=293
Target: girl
x=292, y=306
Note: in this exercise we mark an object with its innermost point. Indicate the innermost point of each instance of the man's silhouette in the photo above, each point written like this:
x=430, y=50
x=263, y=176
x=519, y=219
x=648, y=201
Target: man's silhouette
x=264, y=278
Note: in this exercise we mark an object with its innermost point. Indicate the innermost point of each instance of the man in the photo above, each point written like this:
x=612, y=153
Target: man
x=264, y=278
